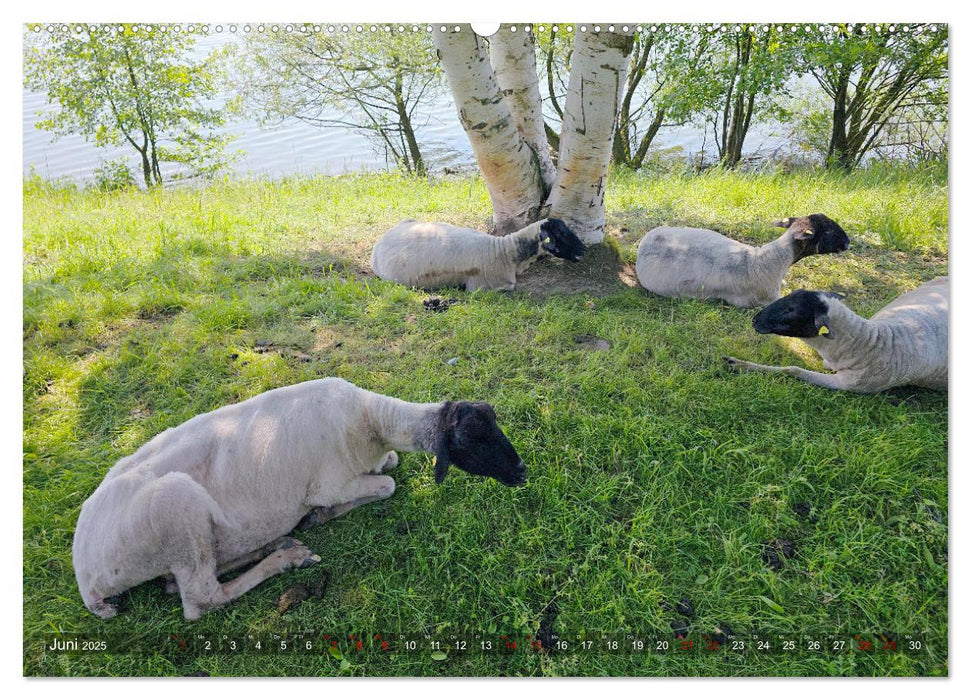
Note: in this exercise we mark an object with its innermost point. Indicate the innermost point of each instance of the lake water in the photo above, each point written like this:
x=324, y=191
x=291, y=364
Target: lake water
x=292, y=147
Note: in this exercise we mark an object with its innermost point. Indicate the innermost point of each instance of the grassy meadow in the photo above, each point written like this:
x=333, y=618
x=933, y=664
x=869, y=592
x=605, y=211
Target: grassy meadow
x=654, y=473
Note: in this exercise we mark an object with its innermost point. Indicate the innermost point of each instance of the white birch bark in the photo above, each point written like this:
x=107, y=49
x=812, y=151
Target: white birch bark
x=507, y=162
x=597, y=75
x=514, y=62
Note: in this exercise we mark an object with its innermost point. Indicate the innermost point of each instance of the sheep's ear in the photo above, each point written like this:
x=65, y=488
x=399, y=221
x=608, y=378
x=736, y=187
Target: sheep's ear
x=822, y=326
x=804, y=234
x=442, y=463
x=784, y=223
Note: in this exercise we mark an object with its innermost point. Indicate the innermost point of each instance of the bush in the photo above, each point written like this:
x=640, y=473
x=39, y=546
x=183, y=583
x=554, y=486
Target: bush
x=113, y=175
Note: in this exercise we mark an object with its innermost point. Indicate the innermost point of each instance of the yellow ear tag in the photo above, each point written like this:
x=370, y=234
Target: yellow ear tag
x=823, y=330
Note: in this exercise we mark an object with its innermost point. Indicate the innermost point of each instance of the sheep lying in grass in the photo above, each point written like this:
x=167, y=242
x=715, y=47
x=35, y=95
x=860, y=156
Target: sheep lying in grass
x=702, y=264
x=903, y=344
x=221, y=490
x=432, y=255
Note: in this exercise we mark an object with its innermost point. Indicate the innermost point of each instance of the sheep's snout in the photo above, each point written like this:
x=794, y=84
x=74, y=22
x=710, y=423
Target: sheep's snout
x=517, y=476
x=759, y=322
x=837, y=244
x=825, y=236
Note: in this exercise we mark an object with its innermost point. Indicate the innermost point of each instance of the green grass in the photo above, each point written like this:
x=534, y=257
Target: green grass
x=654, y=473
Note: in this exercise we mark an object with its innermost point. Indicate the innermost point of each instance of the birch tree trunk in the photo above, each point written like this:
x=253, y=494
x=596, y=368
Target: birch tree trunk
x=597, y=75
x=507, y=162
x=514, y=62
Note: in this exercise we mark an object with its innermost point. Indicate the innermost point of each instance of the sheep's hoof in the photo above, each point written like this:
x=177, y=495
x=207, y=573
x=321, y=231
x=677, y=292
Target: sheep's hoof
x=300, y=557
x=390, y=462
x=312, y=560
x=104, y=609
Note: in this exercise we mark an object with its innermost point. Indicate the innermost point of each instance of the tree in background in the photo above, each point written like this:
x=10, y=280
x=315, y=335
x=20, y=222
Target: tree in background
x=666, y=86
x=875, y=75
x=506, y=136
x=555, y=48
x=374, y=81
x=133, y=85
x=751, y=65
x=918, y=132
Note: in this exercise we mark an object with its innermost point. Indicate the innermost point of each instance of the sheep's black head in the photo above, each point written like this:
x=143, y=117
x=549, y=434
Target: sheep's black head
x=470, y=438
x=560, y=241
x=801, y=314
x=815, y=234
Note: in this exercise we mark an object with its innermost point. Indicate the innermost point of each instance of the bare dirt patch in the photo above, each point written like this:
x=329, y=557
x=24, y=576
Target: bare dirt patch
x=265, y=346
x=159, y=312
x=327, y=338
x=591, y=343
x=599, y=273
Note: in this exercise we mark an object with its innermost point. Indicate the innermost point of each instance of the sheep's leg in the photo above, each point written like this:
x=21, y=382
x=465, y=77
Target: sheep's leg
x=240, y=562
x=827, y=381
x=508, y=285
x=201, y=589
x=388, y=461
x=474, y=283
x=321, y=514
x=366, y=486
x=366, y=489
x=256, y=555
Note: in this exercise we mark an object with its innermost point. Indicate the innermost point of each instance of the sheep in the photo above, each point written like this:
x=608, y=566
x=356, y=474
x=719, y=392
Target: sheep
x=431, y=255
x=903, y=344
x=222, y=490
x=702, y=264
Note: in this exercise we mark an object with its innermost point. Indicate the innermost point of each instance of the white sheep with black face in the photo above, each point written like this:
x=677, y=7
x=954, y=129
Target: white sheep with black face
x=702, y=264
x=432, y=255
x=903, y=344
x=223, y=489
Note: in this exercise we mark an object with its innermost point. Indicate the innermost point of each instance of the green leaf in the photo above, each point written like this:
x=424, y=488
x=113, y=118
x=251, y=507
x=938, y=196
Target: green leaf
x=439, y=655
x=772, y=604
